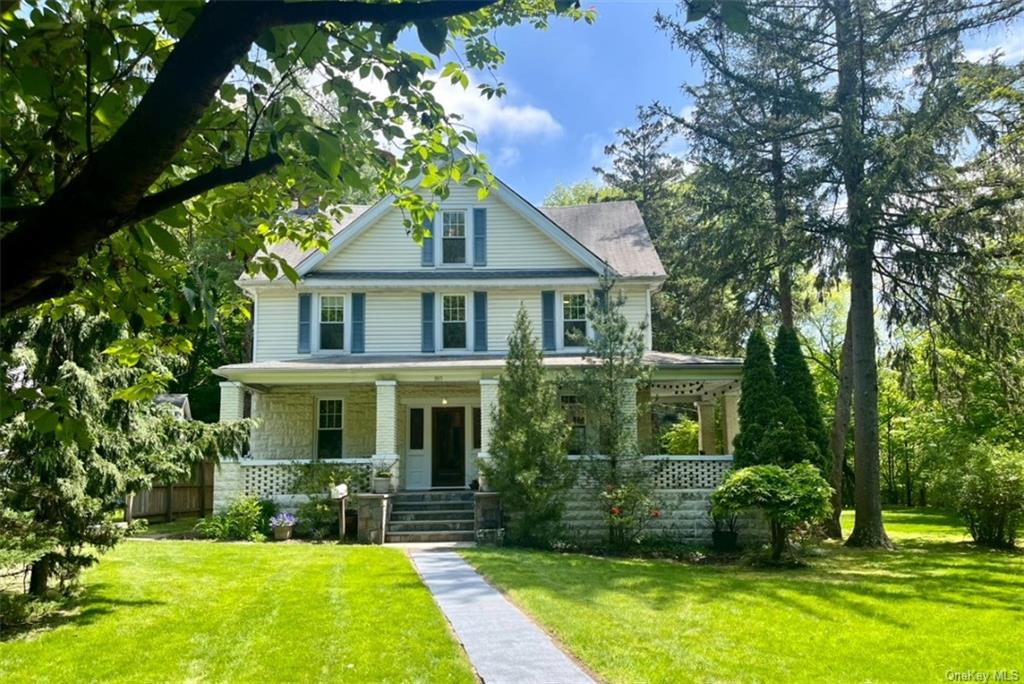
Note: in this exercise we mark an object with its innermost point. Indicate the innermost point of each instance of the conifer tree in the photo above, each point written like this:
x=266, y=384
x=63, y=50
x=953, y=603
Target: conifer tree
x=529, y=465
x=797, y=385
x=758, y=396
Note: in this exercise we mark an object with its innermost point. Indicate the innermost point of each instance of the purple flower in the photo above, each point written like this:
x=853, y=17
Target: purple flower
x=282, y=519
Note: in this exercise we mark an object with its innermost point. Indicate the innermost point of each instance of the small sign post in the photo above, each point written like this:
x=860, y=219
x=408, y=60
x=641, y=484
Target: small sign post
x=340, y=494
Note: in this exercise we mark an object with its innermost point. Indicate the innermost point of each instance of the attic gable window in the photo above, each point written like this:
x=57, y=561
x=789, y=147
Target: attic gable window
x=453, y=237
x=332, y=322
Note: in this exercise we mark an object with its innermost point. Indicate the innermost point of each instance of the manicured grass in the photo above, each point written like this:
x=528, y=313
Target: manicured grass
x=932, y=606
x=170, y=611
x=175, y=527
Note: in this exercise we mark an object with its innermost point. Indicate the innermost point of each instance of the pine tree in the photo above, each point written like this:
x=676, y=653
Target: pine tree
x=797, y=385
x=529, y=465
x=759, y=395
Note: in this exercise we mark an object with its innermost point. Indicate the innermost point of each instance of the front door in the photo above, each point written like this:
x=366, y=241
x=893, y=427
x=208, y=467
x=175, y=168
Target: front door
x=449, y=447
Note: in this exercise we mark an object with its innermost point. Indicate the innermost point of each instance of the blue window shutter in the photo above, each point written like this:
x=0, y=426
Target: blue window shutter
x=479, y=237
x=427, y=301
x=358, y=322
x=547, y=300
x=480, y=321
x=427, y=251
x=305, y=322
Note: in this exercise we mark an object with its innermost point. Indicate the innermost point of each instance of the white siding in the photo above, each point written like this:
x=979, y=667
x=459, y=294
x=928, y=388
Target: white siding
x=393, y=322
x=277, y=324
x=502, y=307
x=512, y=242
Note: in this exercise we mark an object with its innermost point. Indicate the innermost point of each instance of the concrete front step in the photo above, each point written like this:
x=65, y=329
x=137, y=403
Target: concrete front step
x=401, y=515
x=431, y=526
x=435, y=506
x=413, y=537
x=460, y=495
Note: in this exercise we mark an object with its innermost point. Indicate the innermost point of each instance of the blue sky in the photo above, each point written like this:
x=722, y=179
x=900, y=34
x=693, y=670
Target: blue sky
x=572, y=86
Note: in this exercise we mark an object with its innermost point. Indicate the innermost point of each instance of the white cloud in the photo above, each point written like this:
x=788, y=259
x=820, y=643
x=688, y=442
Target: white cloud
x=508, y=156
x=1010, y=52
x=496, y=116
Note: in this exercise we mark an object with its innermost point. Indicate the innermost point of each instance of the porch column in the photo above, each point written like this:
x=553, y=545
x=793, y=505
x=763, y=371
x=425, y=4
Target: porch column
x=627, y=406
x=732, y=420
x=387, y=414
x=232, y=401
x=488, y=405
x=707, y=442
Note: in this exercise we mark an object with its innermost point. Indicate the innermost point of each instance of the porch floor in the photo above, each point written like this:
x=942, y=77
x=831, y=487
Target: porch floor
x=502, y=643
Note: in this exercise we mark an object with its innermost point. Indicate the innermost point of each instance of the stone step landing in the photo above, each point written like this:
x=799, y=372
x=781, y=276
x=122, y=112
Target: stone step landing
x=434, y=516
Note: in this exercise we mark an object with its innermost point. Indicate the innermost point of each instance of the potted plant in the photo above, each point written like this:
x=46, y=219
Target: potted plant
x=382, y=479
x=725, y=536
x=282, y=525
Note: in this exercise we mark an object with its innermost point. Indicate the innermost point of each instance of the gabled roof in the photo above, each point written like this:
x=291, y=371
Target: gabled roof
x=607, y=235
x=615, y=232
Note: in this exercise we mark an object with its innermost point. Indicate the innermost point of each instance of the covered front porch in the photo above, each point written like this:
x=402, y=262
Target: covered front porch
x=427, y=423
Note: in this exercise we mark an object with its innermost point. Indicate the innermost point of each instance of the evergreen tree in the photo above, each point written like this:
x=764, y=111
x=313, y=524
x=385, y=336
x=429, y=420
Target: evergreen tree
x=797, y=385
x=529, y=465
x=758, y=396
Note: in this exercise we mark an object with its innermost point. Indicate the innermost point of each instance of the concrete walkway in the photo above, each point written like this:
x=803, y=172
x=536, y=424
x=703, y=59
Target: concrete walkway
x=502, y=643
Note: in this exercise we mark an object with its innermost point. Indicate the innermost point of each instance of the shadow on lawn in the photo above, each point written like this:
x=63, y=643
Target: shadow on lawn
x=872, y=584
x=93, y=603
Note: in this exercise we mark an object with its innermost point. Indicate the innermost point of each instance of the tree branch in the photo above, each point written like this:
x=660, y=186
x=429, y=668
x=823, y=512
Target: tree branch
x=106, y=193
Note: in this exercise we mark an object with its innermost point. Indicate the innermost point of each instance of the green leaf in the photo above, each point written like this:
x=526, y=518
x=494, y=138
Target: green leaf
x=566, y=5
x=329, y=156
x=736, y=15
x=433, y=35
x=164, y=240
x=34, y=81
x=389, y=32
x=697, y=9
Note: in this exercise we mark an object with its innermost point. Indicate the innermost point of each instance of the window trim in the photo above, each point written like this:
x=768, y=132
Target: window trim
x=439, y=347
x=438, y=234
x=316, y=423
x=315, y=333
x=560, y=318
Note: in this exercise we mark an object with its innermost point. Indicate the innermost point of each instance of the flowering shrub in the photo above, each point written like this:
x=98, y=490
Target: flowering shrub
x=282, y=519
x=630, y=510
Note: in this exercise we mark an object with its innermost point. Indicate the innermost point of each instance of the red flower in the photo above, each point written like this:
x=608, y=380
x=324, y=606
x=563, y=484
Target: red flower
x=615, y=510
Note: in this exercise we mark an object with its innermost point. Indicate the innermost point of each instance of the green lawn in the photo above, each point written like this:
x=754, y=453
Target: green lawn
x=170, y=611
x=177, y=526
x=936, y=604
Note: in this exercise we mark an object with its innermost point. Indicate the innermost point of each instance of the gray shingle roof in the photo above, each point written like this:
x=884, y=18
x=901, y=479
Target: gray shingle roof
x=613, y=231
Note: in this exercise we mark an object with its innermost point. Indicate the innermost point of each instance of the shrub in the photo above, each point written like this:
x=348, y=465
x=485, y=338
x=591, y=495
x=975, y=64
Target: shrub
x=788, y=497
x=242, y=520
x=629, y=511
x=991, y=495
x=317, y=518
x=681, y=438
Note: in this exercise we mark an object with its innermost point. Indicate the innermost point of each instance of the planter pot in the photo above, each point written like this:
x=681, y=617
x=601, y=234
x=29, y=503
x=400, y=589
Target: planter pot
x=381, y=485
x=724, y=540
x=282, y=533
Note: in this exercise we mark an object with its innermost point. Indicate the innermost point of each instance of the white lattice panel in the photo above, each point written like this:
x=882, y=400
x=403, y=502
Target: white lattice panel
x=689, y=474
x=269, y=480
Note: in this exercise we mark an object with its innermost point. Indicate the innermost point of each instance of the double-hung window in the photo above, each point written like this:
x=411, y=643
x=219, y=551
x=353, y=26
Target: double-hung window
x=453, y=237
x=332, y=322
x=329, y=428
x=453, y=321
x=574, y=320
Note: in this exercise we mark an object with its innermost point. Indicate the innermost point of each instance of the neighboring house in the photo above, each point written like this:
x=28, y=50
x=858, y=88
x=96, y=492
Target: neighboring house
x=387, y=352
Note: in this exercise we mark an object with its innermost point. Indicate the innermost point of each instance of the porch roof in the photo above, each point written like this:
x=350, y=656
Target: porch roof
x=369, y=367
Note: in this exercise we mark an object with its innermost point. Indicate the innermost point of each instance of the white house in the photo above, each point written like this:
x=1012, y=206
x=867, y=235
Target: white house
x=387, y=352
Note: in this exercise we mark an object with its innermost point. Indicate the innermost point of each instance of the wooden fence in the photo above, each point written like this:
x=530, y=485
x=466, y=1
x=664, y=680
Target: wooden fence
x=193, y=497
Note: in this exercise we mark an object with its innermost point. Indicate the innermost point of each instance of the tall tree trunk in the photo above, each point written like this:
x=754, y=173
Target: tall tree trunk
x=781, y=217
x=868, y=529
x=39, y=577
x=840, y=429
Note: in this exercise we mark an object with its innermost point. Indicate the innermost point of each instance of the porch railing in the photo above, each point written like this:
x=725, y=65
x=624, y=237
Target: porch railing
x=677, y=472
